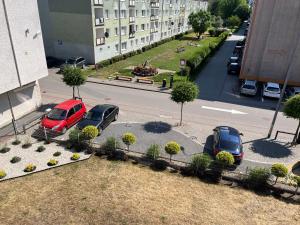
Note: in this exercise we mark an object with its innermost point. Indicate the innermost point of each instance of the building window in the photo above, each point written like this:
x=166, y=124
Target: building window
x=142, y=27
x=123, y=31
x=124, y=45
x=117, y=47
x=136, y=28
x=131, y=43
x=143, y=13
x=116, y=31
x=107, y=31
x=136, y=41
x=116, y=14
x=107, y=14
x=123, y=13
x=143, y=40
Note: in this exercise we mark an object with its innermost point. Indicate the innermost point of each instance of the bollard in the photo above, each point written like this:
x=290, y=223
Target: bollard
x=171, y=81
x=164, y=83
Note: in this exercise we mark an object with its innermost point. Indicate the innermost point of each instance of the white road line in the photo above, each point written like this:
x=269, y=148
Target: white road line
x=232, y=111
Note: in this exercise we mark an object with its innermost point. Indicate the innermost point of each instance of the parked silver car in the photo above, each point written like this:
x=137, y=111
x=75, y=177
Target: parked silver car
x=249, y=87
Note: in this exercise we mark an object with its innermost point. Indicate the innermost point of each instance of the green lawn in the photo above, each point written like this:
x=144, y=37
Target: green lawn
x=163, y=56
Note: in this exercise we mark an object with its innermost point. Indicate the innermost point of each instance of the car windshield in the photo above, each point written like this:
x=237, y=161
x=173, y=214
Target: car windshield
x=94, y=115
x=273, y=89
x=247, y=86
x=57, y=114
x=229, y=141
x=70, y=61
x=228, y=145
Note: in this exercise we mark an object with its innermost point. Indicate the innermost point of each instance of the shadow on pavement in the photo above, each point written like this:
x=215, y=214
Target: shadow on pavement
x=208, y=145
x=43, y=108
x=270, y=148
x=157, y=127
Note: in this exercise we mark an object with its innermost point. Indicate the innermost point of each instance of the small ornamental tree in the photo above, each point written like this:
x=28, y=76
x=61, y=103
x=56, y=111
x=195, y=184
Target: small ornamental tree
x=172, y=148
x=292, y=109
x=217, y=22
x=200, y=163
x=233, y=21
x=90, y=133
x=184, y=92
x=153, y=152
x=73, y=77
x=128, y=139
x=225, y=158
x=200, y=21
x=279, y=170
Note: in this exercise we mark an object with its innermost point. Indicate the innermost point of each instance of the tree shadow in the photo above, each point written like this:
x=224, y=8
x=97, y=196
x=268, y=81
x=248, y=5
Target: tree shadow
x=157, y=127
x=270, y=148
x=43, y=108
x=208, y=145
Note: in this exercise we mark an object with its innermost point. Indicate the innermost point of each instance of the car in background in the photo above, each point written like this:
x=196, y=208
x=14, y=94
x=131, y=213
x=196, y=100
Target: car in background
x=238, y=50
x=234, y=68
x=228, y=139
x=64, y=115
x=271, y=90
x=76, y=62
x=249, y=87
x=100, y=116
x=233, y=59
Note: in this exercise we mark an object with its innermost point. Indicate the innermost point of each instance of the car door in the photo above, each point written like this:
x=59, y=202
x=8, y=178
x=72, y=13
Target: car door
x=215, y=138
x=105, y=118
x=78, y=112
x=71, y=117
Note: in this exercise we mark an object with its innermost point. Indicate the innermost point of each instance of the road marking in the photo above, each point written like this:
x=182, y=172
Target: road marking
x=232, y=111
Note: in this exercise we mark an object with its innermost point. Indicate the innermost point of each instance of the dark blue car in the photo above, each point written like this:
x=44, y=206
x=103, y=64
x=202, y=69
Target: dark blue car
x=228, y=139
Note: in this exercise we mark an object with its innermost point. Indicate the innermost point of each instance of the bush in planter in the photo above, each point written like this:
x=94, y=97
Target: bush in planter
x=200, y=163
x=118, y=155
x=2, y=174
x=296, y=179
x=15, y=159
x=75, y=156
x=225, y=158
x=52, y=162
x=4, y=149
x=75, y=136
x=16, y=142
x=128, y=139
x=90, y=132
x=153, y=152
x=27, y=142
x=30, y=167
x=111, y=145
x=56, y=154
x=279, y=170
x=172, y=148
x=258, y=178
x=159, y=165
x=41, y=149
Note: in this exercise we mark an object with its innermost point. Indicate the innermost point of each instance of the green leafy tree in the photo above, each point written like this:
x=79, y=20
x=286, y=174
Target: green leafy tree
x=200, y=163
x=225, y=8
x=200, y=21
x=217, y=21
x=172, y=148
x=184, y=92
x=242, y=11
x=225, y=158
x=213, y=7
x=292, y=109
x=279, y=170
x=90, y=132
x=73, y=77
x=128, y=139
x=153, y=152
x=233, y=21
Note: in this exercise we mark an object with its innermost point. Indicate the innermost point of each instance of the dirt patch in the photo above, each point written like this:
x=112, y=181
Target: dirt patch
x=103, y=192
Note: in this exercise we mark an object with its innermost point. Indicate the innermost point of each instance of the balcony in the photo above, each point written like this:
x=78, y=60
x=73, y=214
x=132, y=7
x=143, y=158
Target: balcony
x=99, y=21
x=131, y=19
x=132, y=35
x=154, y=4
x=131, y=3
x=98, y=2
x=154, y=30
x=154, y=17
x=100, y=41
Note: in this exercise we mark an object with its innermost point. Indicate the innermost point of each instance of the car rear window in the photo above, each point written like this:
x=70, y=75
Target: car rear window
x=247, y=86
x=228, y=145
x=57, y=114
x=94, y=115
x=273, y=89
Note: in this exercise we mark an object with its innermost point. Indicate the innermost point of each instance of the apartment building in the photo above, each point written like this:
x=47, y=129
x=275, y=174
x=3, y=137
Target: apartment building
x=22, y=59
x=101, y=29
x=273, y=48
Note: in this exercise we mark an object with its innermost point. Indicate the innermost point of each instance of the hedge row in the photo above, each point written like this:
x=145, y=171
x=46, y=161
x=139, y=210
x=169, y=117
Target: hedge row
x=118, y=58
x=196, y=62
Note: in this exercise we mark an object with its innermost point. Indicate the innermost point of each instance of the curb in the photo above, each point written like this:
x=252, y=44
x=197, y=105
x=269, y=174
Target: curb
x=124, y=86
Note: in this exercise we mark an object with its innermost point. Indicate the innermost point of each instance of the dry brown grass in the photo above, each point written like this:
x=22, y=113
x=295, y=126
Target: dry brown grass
x=102, y=192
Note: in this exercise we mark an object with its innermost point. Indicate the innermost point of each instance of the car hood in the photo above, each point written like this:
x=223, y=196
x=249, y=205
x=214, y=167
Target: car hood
x=48, y=123
x=85, y=122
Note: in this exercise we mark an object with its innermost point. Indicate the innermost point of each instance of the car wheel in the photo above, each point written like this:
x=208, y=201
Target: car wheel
x=64, y=130
x=116, y=117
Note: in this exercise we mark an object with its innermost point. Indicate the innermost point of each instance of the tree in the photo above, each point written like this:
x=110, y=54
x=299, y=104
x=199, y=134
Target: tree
x=279, y=170
x=172, y=148
x=216, y=21
x=226, y=7
x=200, y=163
x=89, y=133
x=128, y=139
x=73, y=77
x=242, y=11
x=233, y=21
x=184, y=92
x=213, y=7
x=200, y=21
x=292, y=109
x=153, y=152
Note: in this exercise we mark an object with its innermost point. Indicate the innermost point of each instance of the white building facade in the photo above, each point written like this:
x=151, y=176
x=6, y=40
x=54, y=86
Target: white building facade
x=22, y=59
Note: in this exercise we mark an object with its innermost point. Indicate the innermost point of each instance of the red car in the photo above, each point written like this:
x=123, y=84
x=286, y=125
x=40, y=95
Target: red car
x=64, y=115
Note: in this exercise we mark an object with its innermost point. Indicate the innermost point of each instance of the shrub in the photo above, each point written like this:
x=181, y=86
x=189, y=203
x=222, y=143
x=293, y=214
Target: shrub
x=2, y=174
x=56, y=154
x=111, y=144
x=118, y=155
x=172, y=148
x=225, y=158
x=52, y=162
x=279, y=170
x=296, y=179
x=103, y=63
x=4, y=149
x=27, y=142
x=153, y=152
x=90, y=132
x=128, y=139
x=75, y=136
x=41, y=149
x=16, y=142
x=160, y=165
x=15, y=159
x=75, y=156
x=30, y=167
x=233, y=21
x=258, y=178
x=200, y=163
